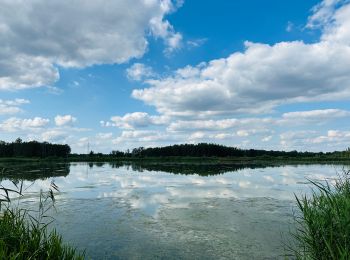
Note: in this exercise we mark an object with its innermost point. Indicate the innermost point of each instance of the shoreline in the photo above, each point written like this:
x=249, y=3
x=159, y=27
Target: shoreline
x=185, y=160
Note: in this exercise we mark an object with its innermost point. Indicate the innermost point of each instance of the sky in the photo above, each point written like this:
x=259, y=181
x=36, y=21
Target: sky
x=109, y=75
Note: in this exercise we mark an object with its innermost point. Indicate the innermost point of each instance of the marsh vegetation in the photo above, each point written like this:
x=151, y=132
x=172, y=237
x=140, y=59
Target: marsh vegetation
x=324, y=221
x=25, y=233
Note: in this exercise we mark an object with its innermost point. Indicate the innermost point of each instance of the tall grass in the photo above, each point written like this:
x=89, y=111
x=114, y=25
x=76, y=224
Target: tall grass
x=22, y=240
x=323, y=226
x=24, y=233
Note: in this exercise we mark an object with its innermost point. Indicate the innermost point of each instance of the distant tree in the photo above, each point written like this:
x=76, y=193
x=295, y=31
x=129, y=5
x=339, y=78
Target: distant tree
x=211, y=150
x=33, y=149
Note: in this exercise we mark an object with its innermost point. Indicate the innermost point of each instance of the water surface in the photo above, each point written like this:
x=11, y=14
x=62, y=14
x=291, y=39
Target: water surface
x=149, y=212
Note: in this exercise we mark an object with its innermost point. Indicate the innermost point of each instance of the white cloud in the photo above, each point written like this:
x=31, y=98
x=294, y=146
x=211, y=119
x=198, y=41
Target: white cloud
x=54, y=136
x=319, y=115
x=338, y=30
x=37, y=35
x=14, y=124
x=222, y=124
x=296, y=139
x=8, y=107
x=323, y=13
x=163, y=29
x=260, y=78
x=244, y=127
x=139, y=71
x=333, y=136
x=222, y=136
x=264, y=75
x=242, y=133
x=337, y=133
x=82, y=142
x=266, y=138
x=174, y=43
x=143, y=136
x=64, y=120
x=104, y=136
x=196, y=136
x=314, y=140
x=136, y=120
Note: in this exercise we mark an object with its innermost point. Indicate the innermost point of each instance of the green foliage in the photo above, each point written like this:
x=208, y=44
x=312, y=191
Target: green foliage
x=324, y=225
x=24, y=234
x=33, y=149
x=20, y=239
x=216, y=150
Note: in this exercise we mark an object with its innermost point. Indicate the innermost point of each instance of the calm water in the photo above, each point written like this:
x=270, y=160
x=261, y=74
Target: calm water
x=148, y=212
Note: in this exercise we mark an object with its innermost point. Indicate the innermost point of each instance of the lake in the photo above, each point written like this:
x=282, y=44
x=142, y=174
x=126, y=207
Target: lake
x=117, y=211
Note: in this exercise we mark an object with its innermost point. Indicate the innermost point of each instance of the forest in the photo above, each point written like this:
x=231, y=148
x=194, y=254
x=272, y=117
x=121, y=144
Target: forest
x=216, y=150
x=18, y=148
x=35, y=149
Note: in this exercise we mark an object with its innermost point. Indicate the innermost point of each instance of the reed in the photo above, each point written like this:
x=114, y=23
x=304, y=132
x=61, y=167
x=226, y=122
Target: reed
x=323, y=226
x=24, y=234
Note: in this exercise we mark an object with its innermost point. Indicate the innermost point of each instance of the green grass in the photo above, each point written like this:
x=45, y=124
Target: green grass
x=323, y=228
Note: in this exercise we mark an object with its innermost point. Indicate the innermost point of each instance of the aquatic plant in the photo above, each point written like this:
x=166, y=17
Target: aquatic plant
x=24, y=233
x=323, y=226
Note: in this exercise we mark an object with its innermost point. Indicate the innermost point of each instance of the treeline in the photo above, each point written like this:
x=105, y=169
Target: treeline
x=19, y=148
x=215, y=150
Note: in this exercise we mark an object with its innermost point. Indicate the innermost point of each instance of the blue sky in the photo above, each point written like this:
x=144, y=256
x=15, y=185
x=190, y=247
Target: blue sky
x=129, y=73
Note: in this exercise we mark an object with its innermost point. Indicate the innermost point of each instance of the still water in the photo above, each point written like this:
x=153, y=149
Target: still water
x=158, y=212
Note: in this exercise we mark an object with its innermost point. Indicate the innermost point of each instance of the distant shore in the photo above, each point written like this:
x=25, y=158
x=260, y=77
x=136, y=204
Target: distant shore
x=186, y=159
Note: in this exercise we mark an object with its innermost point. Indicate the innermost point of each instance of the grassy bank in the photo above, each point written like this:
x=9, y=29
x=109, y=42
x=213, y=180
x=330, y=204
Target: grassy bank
x=324, y=224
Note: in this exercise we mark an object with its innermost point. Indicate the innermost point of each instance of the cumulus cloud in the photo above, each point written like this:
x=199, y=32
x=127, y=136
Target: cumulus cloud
x=35, y=36
x=64, y=120
x=139, y=71
x=8, y=107
x=337, y=30
x=14, y=124
x=164, y=29
x=260, y=78
x=136, y=120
